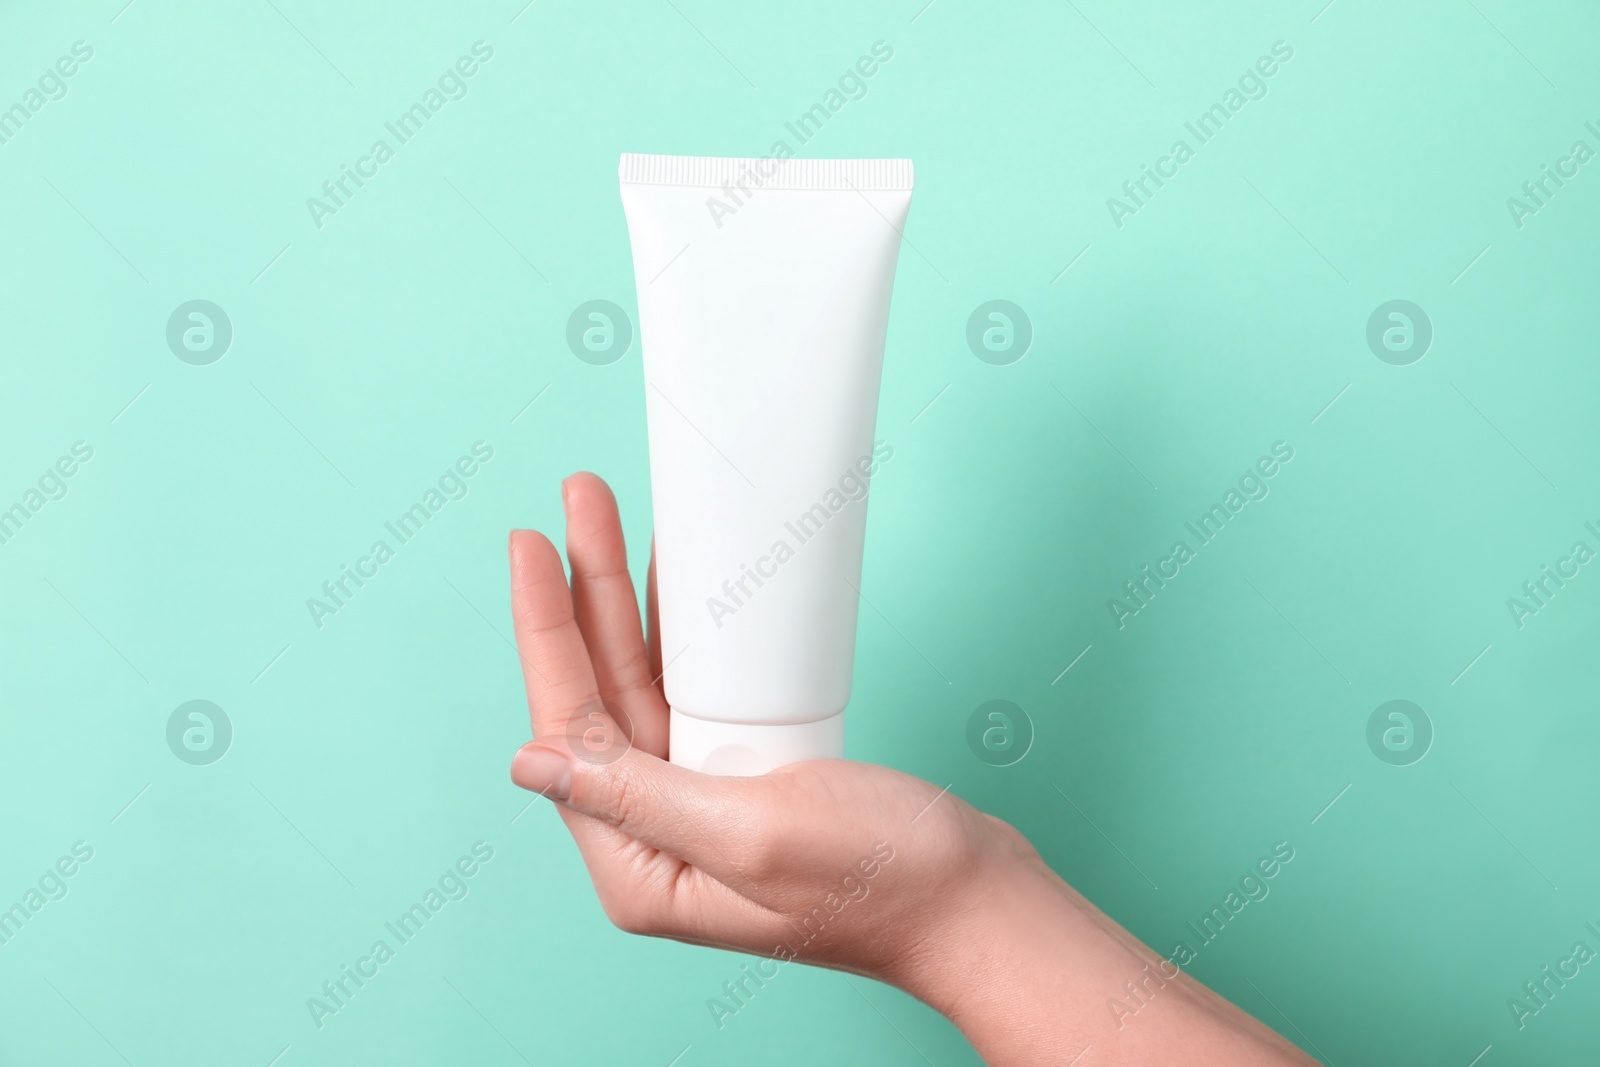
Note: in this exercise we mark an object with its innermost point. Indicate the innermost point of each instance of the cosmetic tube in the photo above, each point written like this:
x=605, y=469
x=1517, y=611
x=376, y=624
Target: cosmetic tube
x=763, y=288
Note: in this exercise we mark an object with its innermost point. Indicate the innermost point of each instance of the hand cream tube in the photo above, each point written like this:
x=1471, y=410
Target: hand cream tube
x=763, y=291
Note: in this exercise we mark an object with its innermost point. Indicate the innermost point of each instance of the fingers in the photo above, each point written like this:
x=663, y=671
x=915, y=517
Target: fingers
x=555, y=664
x=607, y=608
x=711, y=822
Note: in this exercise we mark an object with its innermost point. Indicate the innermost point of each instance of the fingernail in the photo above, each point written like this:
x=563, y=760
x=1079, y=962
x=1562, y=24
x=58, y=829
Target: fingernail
x=542, y=770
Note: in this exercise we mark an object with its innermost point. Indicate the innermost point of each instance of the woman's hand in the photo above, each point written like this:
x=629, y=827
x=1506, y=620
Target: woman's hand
x=848, y=865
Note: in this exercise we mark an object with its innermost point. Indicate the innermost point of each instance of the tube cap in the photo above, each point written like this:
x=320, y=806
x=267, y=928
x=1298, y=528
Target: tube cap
x=746, y=749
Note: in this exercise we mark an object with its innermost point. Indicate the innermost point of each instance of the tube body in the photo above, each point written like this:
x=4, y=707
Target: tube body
x=763, y=291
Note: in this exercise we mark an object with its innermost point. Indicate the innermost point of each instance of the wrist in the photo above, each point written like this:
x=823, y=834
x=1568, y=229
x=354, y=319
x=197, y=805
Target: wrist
x=1026, y=967
x=1015, y=938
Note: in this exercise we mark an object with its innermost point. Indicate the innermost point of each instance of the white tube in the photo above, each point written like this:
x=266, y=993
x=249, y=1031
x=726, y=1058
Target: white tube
x=763, y=291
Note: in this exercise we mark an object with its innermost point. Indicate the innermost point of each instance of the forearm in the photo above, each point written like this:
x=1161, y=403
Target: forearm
x=1030, y=971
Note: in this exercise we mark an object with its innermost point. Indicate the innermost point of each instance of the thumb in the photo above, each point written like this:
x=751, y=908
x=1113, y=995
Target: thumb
x=715, y=823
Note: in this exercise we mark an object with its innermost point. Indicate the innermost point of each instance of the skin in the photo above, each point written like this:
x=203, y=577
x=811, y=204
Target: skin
x=839, y=864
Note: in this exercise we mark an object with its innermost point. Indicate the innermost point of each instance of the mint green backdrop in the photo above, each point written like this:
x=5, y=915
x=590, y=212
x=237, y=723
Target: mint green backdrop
x=1175, y=340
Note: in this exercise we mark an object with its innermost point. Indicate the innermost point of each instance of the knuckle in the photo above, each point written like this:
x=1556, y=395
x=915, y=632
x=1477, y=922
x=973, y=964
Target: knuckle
x=631, y=671
x=627, y=798
x=754, y=843
x=1006, y=830
x=626, y=914
x=1013, y=839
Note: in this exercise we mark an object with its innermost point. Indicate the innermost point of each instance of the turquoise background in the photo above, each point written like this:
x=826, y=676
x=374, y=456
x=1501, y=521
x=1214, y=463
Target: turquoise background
x=1229, y=313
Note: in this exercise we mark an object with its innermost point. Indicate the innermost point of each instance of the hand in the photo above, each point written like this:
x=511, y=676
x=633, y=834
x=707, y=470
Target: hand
x=843, y=864
x=846, y=865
